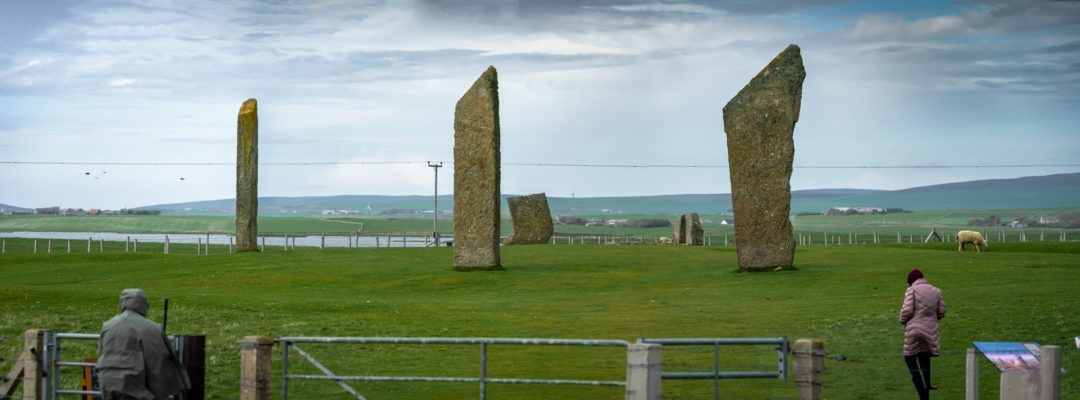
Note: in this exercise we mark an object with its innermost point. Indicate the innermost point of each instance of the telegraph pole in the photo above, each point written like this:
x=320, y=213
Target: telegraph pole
x=435, y=223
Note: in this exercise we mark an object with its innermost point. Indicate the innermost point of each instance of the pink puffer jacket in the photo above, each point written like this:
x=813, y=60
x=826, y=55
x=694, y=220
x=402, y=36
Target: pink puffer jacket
x=922, y=309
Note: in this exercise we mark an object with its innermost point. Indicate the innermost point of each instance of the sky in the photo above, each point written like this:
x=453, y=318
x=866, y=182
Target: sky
x=126, y=103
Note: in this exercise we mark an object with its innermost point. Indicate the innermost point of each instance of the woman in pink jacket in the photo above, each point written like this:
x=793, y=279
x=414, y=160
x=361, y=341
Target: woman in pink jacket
x=922, y=309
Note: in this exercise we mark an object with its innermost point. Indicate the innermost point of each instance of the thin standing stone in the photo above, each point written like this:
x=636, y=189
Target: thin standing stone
x=476, y=176
x=760, y=126
x=247, y=176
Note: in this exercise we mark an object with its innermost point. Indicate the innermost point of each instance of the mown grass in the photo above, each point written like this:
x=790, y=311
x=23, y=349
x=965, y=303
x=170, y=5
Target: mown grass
x=848, y=296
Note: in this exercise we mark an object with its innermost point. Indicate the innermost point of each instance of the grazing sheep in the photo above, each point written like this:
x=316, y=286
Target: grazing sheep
x=665, y=240
x=975, y=238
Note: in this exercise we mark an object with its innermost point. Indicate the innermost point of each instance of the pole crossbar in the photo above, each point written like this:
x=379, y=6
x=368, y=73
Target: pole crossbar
x=453, y=340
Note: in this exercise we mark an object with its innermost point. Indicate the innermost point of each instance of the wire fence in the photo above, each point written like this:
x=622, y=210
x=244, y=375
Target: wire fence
x=218, y=243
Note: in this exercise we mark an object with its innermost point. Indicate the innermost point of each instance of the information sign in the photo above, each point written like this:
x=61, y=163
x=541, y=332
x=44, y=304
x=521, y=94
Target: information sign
x=1011, y=356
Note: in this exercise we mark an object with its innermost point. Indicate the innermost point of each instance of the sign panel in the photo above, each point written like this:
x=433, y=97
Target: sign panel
x=1011, y=356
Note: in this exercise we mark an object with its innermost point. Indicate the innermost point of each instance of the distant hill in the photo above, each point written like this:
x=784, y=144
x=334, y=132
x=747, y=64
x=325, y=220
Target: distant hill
x=1051, y=191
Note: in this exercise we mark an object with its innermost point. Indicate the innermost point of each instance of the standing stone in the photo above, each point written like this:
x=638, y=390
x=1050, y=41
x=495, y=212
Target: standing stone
x=678, y=235
x=532, y=220
x=760, y=124
x=688, y=230
x=247, y=176
x=476, y=176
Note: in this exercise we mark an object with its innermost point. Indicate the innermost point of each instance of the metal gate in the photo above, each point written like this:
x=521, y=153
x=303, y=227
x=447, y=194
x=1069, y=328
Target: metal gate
x=483, y=379
x=55, y=365
x=782, y=350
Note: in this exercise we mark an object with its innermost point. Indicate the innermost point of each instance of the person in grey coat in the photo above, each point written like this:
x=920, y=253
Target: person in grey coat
x=923, y=307
x=135, y=358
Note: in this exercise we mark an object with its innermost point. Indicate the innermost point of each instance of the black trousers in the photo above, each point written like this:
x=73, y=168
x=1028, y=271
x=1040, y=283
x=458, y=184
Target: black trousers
x=919, y=366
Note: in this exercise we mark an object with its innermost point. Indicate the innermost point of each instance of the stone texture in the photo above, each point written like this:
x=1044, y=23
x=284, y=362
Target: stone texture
x=688, y=230
x=476, y=176
x=247, y=176
x=531, y=218
x=760, y=124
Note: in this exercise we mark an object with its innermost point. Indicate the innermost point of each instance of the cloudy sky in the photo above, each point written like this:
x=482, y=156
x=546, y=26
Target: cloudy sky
x=111, y=104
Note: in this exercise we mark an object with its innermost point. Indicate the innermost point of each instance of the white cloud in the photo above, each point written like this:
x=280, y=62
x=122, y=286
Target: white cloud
x=346, y=85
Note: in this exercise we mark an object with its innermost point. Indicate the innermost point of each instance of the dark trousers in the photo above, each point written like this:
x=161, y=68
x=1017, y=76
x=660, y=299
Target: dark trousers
x=919, y=366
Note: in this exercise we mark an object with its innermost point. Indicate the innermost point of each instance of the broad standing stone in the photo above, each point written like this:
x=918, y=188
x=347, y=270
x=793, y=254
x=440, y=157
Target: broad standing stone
x=760, y=124
x=532, y=220
x=476, y=176
x=247, y=176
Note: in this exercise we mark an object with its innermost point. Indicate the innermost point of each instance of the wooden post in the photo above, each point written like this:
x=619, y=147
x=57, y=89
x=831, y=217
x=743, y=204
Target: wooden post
x=972, y=374
x=33, y=376
x=89, y=241
x=255, y=363
x=809, y=363
x=1050, y=373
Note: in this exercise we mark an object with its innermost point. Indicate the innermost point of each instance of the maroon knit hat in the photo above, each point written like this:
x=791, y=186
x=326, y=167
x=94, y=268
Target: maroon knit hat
x=913, y=276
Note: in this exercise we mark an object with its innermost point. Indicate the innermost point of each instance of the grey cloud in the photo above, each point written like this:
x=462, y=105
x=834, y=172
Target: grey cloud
x=1070, y=47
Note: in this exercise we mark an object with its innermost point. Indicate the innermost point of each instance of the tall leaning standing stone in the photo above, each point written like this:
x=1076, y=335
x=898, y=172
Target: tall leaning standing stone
x=476, y=176
x=760, y=125
x=247, y=176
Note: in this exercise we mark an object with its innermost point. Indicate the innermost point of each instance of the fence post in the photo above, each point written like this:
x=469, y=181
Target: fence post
x=972, y=391
x=255, y=362
x=809, y=363
x=31, y=359
x=643, y=371
x=1050, y=365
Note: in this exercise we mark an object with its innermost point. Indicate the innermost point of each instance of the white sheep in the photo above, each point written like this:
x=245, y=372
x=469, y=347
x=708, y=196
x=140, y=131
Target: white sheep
x=975, y=238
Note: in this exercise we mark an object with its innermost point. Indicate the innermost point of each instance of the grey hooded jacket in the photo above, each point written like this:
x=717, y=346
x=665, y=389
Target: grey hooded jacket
x=135, y=358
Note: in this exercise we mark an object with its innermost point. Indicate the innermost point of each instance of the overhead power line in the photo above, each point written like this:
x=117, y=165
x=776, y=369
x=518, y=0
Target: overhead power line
x=573, y=165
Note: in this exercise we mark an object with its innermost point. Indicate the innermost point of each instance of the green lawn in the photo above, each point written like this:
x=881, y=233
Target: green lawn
x=848, y=296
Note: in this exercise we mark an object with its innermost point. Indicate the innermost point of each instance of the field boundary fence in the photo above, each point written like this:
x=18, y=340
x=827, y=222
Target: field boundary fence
x=202, y=243
x=205, y=243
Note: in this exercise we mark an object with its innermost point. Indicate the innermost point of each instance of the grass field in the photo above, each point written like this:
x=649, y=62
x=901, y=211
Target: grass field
x=848, y=296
